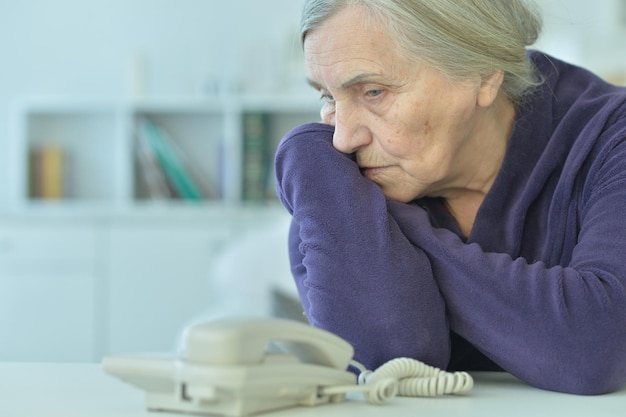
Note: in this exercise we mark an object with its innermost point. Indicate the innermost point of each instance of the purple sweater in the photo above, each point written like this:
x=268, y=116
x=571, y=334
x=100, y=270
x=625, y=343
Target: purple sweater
x=539, y=286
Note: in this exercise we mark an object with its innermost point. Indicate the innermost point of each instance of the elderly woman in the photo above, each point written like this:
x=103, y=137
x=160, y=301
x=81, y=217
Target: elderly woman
x=462, y=202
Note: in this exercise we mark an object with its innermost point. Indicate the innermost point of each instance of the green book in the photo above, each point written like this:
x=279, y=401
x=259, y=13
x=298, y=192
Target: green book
x=256, y=156
x=177, y=174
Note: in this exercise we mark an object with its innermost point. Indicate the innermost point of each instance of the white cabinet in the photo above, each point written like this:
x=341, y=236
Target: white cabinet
x=48, y=282
x=75, y=289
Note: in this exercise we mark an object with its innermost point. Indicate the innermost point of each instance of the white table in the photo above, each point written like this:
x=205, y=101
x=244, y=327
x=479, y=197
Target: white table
x=73, y=390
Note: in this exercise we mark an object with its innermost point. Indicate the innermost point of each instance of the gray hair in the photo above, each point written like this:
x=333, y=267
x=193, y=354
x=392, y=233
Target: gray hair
x=461, y=38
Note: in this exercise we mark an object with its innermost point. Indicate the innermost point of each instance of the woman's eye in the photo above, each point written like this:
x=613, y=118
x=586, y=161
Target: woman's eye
x=327, y=98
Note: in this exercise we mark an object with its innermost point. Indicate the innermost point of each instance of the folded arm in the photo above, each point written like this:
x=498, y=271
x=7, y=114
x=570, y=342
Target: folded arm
x=562, y=328
x=357, y=274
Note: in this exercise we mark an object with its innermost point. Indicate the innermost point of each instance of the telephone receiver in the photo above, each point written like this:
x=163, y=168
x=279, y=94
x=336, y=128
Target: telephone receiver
x=239, y=367
x=248, y=342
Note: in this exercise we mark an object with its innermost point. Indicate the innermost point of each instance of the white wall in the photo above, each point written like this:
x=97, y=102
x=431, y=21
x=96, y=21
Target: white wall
x=589, y=33
x=90, y=47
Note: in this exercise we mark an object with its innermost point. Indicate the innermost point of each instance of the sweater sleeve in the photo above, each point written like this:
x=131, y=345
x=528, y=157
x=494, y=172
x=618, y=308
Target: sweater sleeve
x=358, y=276
x=561, y=328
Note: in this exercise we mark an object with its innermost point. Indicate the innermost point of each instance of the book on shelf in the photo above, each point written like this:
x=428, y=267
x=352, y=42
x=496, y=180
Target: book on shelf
x=166, y=169
x=257, y=156
x=47, y=174
x=151, y=176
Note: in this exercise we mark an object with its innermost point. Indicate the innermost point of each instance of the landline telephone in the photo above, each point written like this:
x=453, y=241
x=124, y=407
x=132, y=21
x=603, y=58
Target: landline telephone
x=239, y=367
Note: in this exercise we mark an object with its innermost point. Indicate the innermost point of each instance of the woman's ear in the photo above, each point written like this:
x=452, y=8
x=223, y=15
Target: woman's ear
x=489, y=88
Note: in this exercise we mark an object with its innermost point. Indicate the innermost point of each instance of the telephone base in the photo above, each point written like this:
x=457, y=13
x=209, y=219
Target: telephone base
x=178, y=386
x=230, y=368
x=236, y=407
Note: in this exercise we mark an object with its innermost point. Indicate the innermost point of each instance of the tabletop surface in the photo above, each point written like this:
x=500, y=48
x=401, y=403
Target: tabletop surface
x=71, y=390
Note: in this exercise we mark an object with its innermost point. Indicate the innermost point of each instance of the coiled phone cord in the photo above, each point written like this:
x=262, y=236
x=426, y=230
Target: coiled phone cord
x=406, y=377
x=416, y=379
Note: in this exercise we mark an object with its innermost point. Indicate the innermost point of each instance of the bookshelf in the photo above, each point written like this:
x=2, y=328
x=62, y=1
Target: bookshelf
x=97, y=163
x=129, y=270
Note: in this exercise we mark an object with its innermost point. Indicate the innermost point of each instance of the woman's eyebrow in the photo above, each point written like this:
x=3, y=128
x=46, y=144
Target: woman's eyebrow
x=314, y=84
x=357, y=79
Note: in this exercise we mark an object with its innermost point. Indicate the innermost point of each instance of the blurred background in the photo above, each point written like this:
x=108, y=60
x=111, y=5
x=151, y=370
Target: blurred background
x=96, y=255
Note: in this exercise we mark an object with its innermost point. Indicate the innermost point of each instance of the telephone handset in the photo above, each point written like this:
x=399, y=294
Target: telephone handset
x=238, y=341
x=241, y=367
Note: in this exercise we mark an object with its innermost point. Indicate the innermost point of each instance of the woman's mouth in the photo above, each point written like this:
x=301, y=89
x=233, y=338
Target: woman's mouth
x=371, y=172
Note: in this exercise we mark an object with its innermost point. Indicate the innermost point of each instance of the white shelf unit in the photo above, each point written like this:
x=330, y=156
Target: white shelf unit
x=119, y=272
x=96, y=138
x=91, y=129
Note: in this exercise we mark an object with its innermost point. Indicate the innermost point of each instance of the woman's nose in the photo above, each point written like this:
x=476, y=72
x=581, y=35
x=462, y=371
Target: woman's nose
x=327, y=114
x=350, y=134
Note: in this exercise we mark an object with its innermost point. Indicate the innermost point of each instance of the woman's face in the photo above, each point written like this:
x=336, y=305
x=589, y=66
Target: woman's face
x=412, y=129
